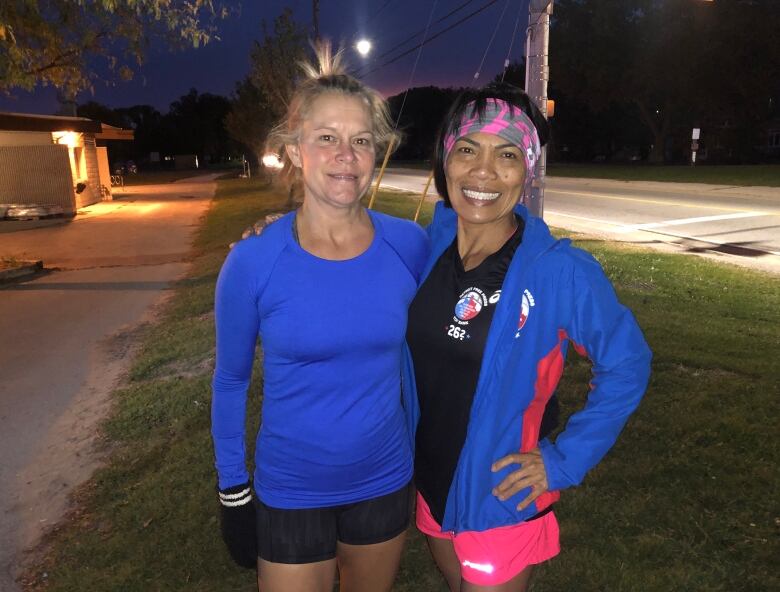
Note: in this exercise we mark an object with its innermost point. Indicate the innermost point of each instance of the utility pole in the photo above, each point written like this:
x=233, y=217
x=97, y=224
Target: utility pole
x=537, y=74
x=315, y=10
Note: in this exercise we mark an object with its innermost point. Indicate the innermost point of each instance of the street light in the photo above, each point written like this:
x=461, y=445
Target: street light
x=272, y=161
x=363, y=47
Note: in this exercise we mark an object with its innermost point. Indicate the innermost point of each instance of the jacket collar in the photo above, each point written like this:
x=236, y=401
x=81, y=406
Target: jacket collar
x=445, y=225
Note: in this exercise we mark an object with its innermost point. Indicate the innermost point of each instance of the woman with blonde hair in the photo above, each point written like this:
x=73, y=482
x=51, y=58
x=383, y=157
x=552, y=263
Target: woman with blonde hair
x=326, y=288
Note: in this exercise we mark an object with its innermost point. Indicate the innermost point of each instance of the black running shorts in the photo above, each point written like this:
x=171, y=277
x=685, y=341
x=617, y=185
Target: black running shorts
x=310, y=535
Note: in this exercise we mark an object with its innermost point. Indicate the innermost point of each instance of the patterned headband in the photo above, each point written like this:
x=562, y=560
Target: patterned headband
x=499, y=119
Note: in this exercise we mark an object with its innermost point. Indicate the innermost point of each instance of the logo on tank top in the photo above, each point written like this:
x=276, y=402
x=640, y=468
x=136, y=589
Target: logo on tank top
x=526, y=305
x=470, y=303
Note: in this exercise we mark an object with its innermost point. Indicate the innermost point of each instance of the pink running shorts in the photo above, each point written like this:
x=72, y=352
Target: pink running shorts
x=495, y=556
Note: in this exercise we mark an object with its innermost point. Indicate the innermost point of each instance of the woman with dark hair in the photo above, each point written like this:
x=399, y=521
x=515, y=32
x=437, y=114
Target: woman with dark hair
x=487, y=337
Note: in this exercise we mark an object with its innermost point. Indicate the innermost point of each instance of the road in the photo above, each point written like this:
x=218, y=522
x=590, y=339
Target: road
x=66, y=338
x=736, y=224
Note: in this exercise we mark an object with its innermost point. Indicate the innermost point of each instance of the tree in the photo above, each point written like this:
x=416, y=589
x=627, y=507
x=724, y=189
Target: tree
x=65, y=42
x=250, y=118
x=680, y=63
x=424, y=110
x=196, y=125
x=146, y=123
x=514, y=74
x=101, y=113
x=261, y=100
x=275, y=62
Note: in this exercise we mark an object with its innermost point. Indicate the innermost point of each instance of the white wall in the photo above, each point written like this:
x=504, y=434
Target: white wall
x=25, y=138
x=36, y=175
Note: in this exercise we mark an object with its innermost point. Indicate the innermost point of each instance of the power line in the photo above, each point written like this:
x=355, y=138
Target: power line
x=490, y=43
x=436, y=36
x=376, y=14
x=511, y=43
x=416, y=61
x=413, y=35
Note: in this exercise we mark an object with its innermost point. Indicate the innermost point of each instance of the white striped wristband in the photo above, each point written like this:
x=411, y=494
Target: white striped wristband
x=233, y=500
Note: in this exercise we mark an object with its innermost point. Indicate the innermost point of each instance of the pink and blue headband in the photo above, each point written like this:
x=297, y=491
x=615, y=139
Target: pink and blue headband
x=500, y=119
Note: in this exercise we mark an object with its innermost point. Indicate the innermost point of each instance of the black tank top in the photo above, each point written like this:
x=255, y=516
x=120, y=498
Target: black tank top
x=449, y=320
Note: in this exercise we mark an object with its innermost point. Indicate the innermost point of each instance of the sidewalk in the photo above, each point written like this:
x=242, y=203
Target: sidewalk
x=67, y=339
x=141, y=226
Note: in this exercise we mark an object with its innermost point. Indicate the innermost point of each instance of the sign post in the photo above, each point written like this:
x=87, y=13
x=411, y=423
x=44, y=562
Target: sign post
x=695, y=144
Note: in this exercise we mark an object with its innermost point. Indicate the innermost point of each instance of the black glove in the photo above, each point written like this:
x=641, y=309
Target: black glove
x=239, y=529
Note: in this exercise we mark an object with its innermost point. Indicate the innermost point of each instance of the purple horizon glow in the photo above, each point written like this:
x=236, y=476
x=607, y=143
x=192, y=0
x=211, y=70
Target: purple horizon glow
x=450, y=60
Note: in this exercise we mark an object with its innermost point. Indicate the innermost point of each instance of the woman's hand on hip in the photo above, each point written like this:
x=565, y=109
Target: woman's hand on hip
x=530, y=474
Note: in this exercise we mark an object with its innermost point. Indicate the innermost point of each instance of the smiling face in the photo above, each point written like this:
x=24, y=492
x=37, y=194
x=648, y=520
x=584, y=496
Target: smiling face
x=485, y=178
x=335, y=150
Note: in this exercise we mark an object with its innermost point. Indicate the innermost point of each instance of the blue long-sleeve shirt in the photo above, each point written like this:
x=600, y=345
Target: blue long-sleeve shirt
x=333, y=428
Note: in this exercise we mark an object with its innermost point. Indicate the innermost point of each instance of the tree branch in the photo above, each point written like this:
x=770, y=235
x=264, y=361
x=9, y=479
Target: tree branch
x=57, y=61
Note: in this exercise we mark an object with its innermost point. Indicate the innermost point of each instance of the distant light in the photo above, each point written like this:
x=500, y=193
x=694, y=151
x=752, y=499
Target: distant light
x=272, y=161
x=363, y=47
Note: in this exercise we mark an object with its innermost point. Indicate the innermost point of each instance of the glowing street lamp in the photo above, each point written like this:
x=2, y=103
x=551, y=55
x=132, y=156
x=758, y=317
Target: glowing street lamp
x=272, y=161
x=363, y=47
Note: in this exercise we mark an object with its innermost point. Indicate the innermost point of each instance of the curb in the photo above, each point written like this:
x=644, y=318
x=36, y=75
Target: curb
x=754, y=191
x=27, y=268
x=19, y=225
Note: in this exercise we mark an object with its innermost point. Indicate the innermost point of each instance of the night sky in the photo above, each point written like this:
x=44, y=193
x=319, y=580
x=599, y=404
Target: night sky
x=450, y=60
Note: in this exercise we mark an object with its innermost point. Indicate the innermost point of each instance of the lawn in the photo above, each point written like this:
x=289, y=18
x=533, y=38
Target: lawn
x=741, y=175
x=687, y=500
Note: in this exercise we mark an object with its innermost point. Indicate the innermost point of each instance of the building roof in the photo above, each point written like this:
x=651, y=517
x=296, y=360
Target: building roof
x=110, y=132
x=25, y=122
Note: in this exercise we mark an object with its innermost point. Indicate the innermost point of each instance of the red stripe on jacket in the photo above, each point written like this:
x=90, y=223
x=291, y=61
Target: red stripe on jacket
x=548, y=373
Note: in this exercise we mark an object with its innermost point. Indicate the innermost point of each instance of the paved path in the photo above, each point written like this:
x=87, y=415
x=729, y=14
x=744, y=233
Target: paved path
x=66, y=338
x=736, y=224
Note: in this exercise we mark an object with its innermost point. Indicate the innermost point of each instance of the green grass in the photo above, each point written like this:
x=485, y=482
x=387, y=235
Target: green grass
x=740, y=175
x=685, y=502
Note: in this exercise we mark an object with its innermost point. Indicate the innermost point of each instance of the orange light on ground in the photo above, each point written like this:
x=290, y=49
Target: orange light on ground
x=143, y=210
